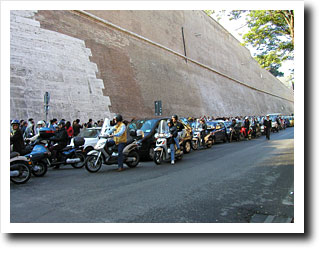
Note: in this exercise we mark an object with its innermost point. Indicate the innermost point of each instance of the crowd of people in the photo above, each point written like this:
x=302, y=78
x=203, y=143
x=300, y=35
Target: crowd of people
x=23, y=131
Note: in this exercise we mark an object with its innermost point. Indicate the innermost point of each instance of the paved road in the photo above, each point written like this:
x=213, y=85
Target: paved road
x=228, y=183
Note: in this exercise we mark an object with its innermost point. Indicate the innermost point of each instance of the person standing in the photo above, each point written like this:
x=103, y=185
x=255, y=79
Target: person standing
x=76, y=127
x=30, y=130
x=89, y=124
x=204, y=131
x=174, y=133
x=267, y=127
x=69, y=130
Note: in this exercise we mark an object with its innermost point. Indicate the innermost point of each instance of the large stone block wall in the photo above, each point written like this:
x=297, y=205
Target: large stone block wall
x=42, y=60
x=126, y=73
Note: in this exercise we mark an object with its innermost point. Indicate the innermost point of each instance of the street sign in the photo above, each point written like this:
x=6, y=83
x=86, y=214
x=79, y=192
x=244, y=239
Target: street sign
x=46, y=98
x=46, y=102
x=158, y=107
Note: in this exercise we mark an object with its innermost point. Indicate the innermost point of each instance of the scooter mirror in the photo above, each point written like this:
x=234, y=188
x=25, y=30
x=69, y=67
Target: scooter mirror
x=140, y=133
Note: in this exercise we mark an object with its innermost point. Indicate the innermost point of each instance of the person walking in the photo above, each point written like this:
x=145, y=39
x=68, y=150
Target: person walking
x=267, y=126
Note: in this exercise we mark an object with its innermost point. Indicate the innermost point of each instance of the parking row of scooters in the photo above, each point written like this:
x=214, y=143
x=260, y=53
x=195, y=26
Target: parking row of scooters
x=39, y=158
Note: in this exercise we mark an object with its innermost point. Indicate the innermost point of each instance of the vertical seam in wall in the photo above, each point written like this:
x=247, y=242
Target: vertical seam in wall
x=91, y=16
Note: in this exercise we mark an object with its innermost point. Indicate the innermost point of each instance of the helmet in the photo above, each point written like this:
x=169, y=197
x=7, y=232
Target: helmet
x=169, y=121
x=119, y=118
x=61, y=122
x=246, y=117
x=41, y=122
x=175, y=116
x=15, y=121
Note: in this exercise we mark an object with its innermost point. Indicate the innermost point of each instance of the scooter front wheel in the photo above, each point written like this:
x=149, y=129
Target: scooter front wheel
x=157, y=157
x=91, y=163
x=194, y=145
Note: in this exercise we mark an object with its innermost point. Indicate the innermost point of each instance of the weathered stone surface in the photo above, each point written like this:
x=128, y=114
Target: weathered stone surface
x=93, y=70
x=42, y=60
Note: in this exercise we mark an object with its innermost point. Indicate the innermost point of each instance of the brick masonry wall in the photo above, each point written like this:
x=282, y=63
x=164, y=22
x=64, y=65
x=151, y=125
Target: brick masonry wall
x=114, y=72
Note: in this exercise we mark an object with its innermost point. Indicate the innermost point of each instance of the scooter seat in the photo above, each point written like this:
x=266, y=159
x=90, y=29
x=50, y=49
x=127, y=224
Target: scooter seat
x=65, y=149
x=14, y=154
x=129, y=141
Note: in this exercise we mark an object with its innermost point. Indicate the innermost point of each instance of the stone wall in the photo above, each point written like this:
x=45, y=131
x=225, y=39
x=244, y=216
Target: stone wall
x=96, y=63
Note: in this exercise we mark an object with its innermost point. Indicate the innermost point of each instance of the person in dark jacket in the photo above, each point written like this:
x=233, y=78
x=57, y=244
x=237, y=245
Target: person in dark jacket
x=174, y=135
x=267, y=127
x=16, y=138
x=60, y=138
x=76, y=127
x=204, y=131
x=179, y=127
x=246, y=125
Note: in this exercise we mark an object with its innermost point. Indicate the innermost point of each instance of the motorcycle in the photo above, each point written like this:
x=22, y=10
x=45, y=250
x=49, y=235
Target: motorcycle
x=196, y=141
x=68, y=155
x=38, y=156
x=236, y=133
x=102, y=154
x=162, y=152
x=256, y=130
x=20, y=168
x=247, y=133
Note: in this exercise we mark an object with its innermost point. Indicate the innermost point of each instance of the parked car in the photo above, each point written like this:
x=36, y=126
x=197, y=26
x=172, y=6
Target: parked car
x=218, y=130
x=91, y=137
x=149, y=127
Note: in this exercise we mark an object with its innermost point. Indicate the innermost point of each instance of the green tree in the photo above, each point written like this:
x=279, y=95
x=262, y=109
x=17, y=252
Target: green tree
x=271, y=33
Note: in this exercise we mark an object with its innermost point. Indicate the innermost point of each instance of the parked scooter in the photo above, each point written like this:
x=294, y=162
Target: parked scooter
x=247, y=133
x=20, y=168
x=102, y=154
x=162, y=152
x=68, y=155
x=196, y=141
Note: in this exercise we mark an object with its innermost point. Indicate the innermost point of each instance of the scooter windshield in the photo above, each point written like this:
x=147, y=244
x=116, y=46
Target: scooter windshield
x=197, y=125
x=163, y=127
x=105, y=127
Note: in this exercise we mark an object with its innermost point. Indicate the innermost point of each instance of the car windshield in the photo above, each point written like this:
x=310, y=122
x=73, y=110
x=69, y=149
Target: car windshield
x=145, y=125
x=227, y=123
x=89, y=133
x=211, y=124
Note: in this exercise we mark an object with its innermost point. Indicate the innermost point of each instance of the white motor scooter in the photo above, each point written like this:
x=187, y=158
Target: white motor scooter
x=162, y=152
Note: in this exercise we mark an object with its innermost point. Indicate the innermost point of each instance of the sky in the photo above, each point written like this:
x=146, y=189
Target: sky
x=237, y=28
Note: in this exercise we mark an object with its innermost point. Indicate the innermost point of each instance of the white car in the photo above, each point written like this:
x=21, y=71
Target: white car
x=91, y=137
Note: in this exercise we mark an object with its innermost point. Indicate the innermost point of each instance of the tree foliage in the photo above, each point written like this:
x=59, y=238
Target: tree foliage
x=271, y=32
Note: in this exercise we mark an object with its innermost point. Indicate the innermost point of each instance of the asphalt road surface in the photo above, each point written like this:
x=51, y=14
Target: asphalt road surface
x=229, y=183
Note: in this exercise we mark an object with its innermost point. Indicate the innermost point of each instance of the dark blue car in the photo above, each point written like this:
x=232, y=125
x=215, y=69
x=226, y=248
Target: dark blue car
x=218, y=130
